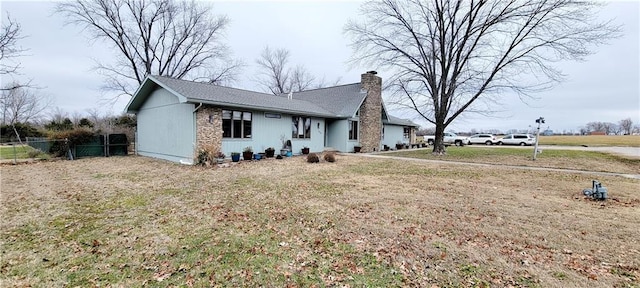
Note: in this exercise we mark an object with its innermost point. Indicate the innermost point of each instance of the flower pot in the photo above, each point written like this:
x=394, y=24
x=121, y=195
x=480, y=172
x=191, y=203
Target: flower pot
x=269, y=153
x=257, y=156
x=247, y=155
x=235, y=157
x=399, y=146
x=220, y=160
x=386, y=148
x=357, y=149
x=289, y=154
x=305, y=150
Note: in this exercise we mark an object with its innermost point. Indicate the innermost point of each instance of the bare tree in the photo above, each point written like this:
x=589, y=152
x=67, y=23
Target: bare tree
x=9, y=51
x=96, y=117
x=56, y=114
x=277, y=77
x=595, y=126
x=626, y=125
x=9, y=36
x=584, y=130
x=301, y=79
x=610, y=128
x=161, y=37
x=22, y=105
x=447, y=57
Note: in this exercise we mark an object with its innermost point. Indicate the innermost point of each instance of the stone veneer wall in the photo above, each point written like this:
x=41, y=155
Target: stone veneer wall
x=208, y=128
x=371, y=113
x=412, y=135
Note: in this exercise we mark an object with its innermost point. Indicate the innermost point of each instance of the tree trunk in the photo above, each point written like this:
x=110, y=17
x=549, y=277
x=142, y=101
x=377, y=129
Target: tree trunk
x=438, y=142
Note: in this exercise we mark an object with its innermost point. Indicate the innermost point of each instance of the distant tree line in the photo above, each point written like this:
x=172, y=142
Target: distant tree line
x=623, y=127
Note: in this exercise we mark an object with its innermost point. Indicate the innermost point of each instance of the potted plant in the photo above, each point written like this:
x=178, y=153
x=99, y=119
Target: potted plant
x=269, y=152
x=220, y=157
x=305, y=150
x=247, y=153
x=386, y=147
x=399, y=145
x=235, y=156
x=357, y=148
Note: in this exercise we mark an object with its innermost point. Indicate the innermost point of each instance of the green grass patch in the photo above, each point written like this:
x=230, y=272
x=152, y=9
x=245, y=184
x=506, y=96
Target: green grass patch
x=560, y=275
x=17, y=151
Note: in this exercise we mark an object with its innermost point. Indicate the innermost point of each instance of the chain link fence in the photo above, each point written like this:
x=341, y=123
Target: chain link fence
x=97, y=146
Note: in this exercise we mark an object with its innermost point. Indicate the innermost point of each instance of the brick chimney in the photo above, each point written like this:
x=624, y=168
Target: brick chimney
x=371, y=112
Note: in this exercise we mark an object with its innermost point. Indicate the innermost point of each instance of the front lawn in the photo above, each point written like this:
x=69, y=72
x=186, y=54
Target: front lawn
x=360, y=222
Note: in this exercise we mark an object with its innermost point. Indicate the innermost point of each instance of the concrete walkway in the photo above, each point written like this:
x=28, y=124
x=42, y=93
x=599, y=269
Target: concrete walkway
x=596, y=173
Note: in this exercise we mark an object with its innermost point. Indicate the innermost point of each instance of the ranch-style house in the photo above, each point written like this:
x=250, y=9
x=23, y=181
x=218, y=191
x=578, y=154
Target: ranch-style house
x=177, y=118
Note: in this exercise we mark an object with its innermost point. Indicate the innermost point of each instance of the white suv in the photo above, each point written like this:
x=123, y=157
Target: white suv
x=517, y=139
x=486, y=139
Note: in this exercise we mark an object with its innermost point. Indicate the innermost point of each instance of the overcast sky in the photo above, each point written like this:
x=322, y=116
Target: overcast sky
x=60, y=59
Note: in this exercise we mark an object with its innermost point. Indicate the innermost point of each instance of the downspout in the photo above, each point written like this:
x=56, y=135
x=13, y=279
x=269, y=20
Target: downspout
x=196, y=110
x=195, y=130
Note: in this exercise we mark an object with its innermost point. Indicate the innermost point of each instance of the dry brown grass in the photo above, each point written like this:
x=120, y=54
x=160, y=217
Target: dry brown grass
x=518, y=156
x=129, y=221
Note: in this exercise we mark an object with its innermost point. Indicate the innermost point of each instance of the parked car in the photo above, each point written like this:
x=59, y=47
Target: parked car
x=517, y=139
x=487, y=139
x=448, y=139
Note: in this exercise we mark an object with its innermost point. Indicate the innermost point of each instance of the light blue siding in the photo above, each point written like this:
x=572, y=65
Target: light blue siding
x=393, y=134
x=315, y=143
x=267, y=132
x=338, y=137
x=166, y=128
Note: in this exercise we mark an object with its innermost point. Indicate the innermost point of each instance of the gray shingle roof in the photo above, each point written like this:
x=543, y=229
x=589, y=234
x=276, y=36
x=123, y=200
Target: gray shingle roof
x=399, y=121
x=342, y=100
x=199, y=92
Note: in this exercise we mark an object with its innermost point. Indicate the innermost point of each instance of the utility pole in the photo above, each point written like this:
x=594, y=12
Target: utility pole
x=535, y=150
